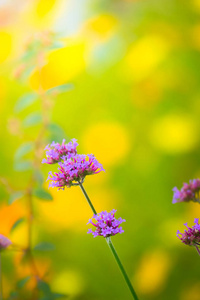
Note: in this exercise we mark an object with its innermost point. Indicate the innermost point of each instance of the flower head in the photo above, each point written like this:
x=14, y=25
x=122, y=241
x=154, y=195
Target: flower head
x=106, y=224
x=4, y=242
x=56, y=152
x=189, y=192
x=74, y=170
x=190, y=236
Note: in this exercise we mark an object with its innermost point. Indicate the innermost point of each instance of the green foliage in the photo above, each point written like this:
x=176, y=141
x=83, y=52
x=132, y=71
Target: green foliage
x=56, y=45
x=19, y=164
x=15, y=196
x=47, y=294
x=17, y=223
x=23, y=165
x=38, y=176
x=25, y=101
x=14, y=295
x=42, y=194
x=56, y=132
x=44, y=247
x=32, y=119
x=61, y=88
x=21, y=283
x=23, y=150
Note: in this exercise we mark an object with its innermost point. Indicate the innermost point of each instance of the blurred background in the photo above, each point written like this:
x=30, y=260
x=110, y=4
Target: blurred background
x=122, y=77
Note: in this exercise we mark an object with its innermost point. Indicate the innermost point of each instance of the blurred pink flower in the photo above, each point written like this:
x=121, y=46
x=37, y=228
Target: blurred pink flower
x=4, y=242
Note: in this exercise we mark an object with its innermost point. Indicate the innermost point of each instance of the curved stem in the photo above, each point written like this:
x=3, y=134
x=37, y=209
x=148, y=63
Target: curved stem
x=114, y=252
x=197, y=249
x=87, y=198
x=110, y=244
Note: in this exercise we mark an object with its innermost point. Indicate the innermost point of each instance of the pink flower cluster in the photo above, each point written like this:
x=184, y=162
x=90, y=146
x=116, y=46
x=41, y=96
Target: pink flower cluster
x=4, y=242
x=74, y=170
x=73, y=167
x=106, y=224
x=56, y=152
x=191, y=236
x=189, y=192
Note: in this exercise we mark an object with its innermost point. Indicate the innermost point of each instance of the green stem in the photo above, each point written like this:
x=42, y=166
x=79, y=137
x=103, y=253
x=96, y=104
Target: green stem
x=110, y=244
x=197, y=248
x=114, y=252
x=1, y=287
x=87, y=198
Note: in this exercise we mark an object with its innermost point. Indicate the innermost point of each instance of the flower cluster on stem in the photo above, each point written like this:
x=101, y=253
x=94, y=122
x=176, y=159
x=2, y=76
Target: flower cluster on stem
x=106, y=224
x=57, y=152
x=189, y=192
x=191, y=235
x=73, y=167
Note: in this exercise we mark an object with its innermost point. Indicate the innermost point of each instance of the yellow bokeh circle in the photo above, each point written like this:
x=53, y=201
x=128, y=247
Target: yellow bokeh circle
x=69, y=209
x=145, y=55
x=68, y=282
x=174, y=133
x=62, y=66
x=6, y=45
x=109, y=142
x=153, y=271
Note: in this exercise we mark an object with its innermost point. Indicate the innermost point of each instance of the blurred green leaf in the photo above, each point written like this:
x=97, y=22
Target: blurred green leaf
x=44, y=287
x=15, y=196
x=18, y=222
x=25, y=101
x=42, y=194
x=56, y=132
x=21, y=283
x=44, y=247
x=39, y=177
x=27, y=55
x=23, y=165
x=32, y=119
x=23, y=149
x=27, y=72
x=56, y=45
x=59, y=296
x=14, y=295
x=47, y=294
x=61, y=88
x=54, y=296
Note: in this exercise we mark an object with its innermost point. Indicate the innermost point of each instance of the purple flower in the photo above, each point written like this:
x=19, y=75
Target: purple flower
x=4, y=242
x=106, y=224
x=56, y=152
x=191, y=236
x=189, y=192
x=73, y=170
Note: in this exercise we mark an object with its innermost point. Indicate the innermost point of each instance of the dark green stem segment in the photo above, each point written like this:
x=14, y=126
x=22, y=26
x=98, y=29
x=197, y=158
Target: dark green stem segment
x=114, y=252
x=197, y=248
x=1, y=288
x=110, y=244
x=87, y=198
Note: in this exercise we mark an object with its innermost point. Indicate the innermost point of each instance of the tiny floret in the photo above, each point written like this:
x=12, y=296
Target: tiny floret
x=56, y=152
x=190, y=236
x=189, y=192
x=106, y=224
x=4, y=242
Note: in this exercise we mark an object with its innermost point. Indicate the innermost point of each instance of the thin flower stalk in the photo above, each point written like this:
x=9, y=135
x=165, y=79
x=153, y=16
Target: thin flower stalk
x=110, y=244
x=72, y=170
